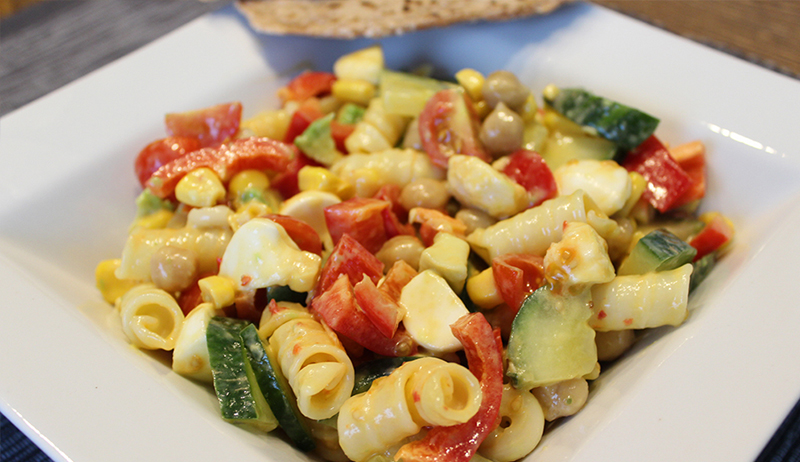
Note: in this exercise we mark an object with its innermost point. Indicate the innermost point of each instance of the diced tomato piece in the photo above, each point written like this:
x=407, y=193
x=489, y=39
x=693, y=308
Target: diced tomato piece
x=301, y=232
x=517, y=276
x=458, y=443
x=390, y=192
x=449, y=125
x=339, y=309
x=307, y=85
x=211, y=125
x=695, y=168
x=379, y=307
x=717, y=232
x=666, y=180
x=308, y=112
x=350, y=258
x=361, y=218
x=339, y=133
x=162, y=152
x=433, y=222
x=398, y=276
x=529, y=170
x=286, y=181
x=226, y=160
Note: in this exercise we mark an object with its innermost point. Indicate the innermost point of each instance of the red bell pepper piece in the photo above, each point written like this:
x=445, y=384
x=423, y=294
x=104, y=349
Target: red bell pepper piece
x=162, y=152
x=396, y=278
x=225, y=160
x=211, y=125
x=286, y=181
x=458, y=443
x=666, y=180
x=338, y=307
x=340, y=132
x=301, y=232
x=379, y=307
x=717, y=232
x=695, y=166
x=308, y=112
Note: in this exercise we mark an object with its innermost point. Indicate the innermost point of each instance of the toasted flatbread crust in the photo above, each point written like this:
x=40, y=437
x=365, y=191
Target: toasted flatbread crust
x=377, y=18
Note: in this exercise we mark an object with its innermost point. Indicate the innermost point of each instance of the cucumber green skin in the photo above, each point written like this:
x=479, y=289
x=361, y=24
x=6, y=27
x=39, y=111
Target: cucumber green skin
x=659, y=250
x=367, y=373
x=276, y=390
x=701, y=269
x=551, y=340
x=228, y=367
x=683, y=228
x=625, y=126
x=285, y=294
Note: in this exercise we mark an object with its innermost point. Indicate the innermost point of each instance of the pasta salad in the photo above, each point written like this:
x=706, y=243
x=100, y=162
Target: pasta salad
x=391, y=266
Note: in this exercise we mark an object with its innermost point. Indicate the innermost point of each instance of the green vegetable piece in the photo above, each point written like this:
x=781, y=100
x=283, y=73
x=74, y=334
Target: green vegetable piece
x=240, y=398
x=251, y=194
x=551, y=340
x=625, y=126
x=683, y=228
x=701, y=269
x=317, y=142
x=275, y=387
x=367, y=373
x=285, y=294
x=561, y=149
x=406, y=94
x=148, y=203
x=350, y=114
x=659, y=250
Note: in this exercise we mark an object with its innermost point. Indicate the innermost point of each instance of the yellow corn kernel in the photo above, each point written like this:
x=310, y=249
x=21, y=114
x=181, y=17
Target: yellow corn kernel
x=247, y=212
x=353, y=91
x=483, y=291
x=321, y=179
x=365, y=64
x=556, y=122
x=107, y=282
x=638, y=185
x=156, y=220
x=482, y=108
x=247, y=180
x=200, y=188
x=550, y=92
x=472, y=81
x=217, y=290
x=529, y=109
x=271, y=124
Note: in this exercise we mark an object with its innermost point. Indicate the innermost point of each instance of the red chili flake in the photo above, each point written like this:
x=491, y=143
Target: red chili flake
x=246, y=280
x=416, y=396
x=564, y=225
x=628, y=321
x=296, y=349
x=602, y=314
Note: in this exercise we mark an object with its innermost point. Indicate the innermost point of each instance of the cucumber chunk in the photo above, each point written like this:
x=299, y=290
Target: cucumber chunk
x=285, y=294
x=240, y=398
x=317, y=141
x=367, y=373
x=406, y=94
x=659, y=250
x=551, y=340
x=561, y=149
x=276, y=389
x=625, y=126
x=701, y=270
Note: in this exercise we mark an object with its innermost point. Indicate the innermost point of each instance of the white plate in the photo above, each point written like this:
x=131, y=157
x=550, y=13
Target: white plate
x=714, y=389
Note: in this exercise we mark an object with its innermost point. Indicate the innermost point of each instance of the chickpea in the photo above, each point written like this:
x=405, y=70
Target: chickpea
x=173, y=268
x=502, y=131
x=425, y=192
x=503, y=86
x=403, y=247
x=475, y=219
x=563, y=398
x=610, y=345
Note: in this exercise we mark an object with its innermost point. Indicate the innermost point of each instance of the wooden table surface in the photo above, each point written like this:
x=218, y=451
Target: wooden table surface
x=43, y=46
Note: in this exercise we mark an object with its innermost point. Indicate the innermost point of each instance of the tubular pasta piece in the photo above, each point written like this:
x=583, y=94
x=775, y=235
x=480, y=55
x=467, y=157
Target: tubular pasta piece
x=533, y=230
x=393, y=166
x=151, y=318
x=520, y=430
x=579, y=259
x=641, y=301
x=206, y=233
x=316, y=366
x=424, y=392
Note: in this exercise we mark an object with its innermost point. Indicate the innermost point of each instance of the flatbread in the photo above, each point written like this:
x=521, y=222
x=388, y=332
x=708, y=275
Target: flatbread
x=378, y=18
